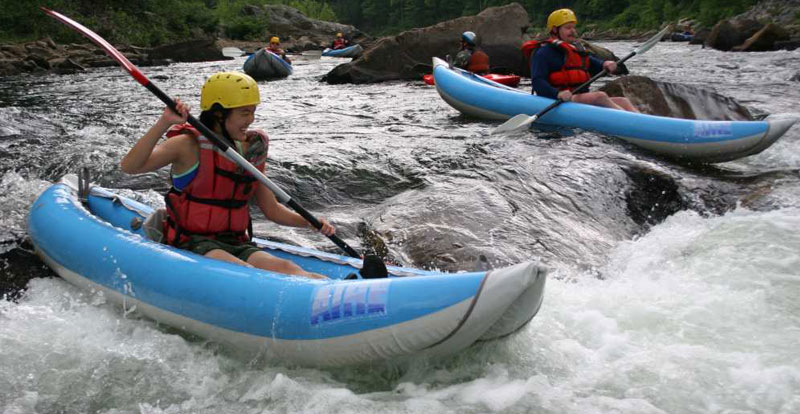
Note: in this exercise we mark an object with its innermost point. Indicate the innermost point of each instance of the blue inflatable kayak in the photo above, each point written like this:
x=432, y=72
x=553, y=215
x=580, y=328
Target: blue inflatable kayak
x=100, y=244
x=264, y=64
x=350, y=51
x=697, y=140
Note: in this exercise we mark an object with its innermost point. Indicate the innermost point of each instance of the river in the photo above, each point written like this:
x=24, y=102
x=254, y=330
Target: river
x=673, y=287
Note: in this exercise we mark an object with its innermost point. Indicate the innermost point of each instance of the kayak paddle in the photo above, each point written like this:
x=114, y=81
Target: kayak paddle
x=523, y=120
x=372, y=267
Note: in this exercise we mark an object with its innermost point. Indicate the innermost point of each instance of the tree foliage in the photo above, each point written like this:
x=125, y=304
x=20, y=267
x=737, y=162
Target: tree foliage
x=388, y=16
x=145, y=22
x=153, y=22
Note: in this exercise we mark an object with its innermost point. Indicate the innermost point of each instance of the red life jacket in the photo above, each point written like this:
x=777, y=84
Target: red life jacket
x=216, y=200
x=574, y=71
x=339, y=43
x=478, y=62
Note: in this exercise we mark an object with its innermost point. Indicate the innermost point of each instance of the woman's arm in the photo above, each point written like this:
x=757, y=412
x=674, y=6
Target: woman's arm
x=145, y=156
x=278, y=213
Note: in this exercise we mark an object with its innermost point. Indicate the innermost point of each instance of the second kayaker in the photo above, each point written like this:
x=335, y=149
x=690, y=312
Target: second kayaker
x=340, y=42
x=471, y=57
x=560, y=64
x=275, y=47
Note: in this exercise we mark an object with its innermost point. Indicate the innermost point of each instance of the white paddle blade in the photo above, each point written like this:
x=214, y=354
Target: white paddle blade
x=517, y=122
x=644, y=47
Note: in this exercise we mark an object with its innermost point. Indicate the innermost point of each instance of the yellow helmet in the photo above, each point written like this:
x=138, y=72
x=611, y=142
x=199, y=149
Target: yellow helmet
x=229, y=89
x=560, y=17
x=274, y=39
x=339, y=35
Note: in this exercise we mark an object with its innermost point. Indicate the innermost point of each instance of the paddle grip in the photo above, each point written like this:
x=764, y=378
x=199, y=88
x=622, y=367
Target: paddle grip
x=318, y=225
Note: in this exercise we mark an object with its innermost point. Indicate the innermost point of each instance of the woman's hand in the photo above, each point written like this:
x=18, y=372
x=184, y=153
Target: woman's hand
x=326, y=229
x=171, y=117
x=610, y=66
x=565, y=96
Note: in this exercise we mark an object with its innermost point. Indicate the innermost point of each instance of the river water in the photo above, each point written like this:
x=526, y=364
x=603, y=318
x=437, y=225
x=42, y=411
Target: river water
x=676, y=293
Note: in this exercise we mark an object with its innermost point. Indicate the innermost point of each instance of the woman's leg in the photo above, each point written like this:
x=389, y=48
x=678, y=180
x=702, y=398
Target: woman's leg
x=624, y=103
x=266, y=261
x=596, y=99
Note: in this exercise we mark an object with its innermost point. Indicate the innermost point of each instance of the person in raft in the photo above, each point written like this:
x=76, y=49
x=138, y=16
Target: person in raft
x=207, y=206
x=340, y=42
x=471, y=57
x=560, y=64
x=275, y=47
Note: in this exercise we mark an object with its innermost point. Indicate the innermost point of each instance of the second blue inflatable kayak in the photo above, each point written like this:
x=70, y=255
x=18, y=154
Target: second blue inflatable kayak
x=696, y=140
x=350, y=51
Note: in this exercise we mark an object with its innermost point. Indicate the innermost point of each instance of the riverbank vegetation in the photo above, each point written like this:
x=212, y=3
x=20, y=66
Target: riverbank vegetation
x=154, y=22
x=389, y=16
x=146, y=22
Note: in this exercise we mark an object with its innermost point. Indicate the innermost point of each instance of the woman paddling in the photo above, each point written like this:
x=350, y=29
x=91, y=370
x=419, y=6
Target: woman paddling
x=207, y=206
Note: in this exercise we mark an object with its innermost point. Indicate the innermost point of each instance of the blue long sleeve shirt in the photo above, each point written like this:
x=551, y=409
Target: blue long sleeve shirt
x=546, y=60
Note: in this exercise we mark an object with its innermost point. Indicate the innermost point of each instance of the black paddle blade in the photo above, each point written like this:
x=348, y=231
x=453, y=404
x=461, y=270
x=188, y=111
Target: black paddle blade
x=373, y=268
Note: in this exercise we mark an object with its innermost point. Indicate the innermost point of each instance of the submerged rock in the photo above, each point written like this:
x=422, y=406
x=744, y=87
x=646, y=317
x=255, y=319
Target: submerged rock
x=676, y=100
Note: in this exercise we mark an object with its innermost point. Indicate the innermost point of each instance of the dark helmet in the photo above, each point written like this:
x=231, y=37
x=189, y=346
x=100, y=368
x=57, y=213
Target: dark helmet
x=469, y=38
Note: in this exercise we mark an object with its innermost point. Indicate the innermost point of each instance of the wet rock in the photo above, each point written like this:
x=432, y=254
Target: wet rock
x=408, y=55
x=19, y=265
x=787, y=44
x=676, y=100
x=196, y=50
x=728, y=34
x=700, y=36
x=65, y=66
x=44, y=56
x=652, y=195
x=10, y=67
x=764, y=39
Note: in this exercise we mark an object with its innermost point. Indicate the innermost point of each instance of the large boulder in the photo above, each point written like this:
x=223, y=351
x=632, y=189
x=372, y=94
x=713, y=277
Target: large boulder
x=764, y=39
x=408, y=55
x=768, y=25
x=196, y=50
x=298, y=32
x=728, y=34
x=676, y=100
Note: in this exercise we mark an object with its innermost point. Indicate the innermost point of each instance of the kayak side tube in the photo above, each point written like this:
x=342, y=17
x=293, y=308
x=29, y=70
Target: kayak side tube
x=696, y=140
x=309, y=322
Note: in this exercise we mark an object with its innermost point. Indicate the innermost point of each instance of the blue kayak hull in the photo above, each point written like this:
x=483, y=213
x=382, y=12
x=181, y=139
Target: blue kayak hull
x=348, y=52
x=696, y=140
x=264, y=64
x=101, y=246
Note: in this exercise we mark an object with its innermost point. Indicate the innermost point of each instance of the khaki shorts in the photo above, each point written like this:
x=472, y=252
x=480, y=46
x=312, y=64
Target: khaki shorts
x=202, y=245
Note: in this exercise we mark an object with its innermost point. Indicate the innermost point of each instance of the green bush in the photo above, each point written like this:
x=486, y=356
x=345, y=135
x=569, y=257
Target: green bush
x=244, y=28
